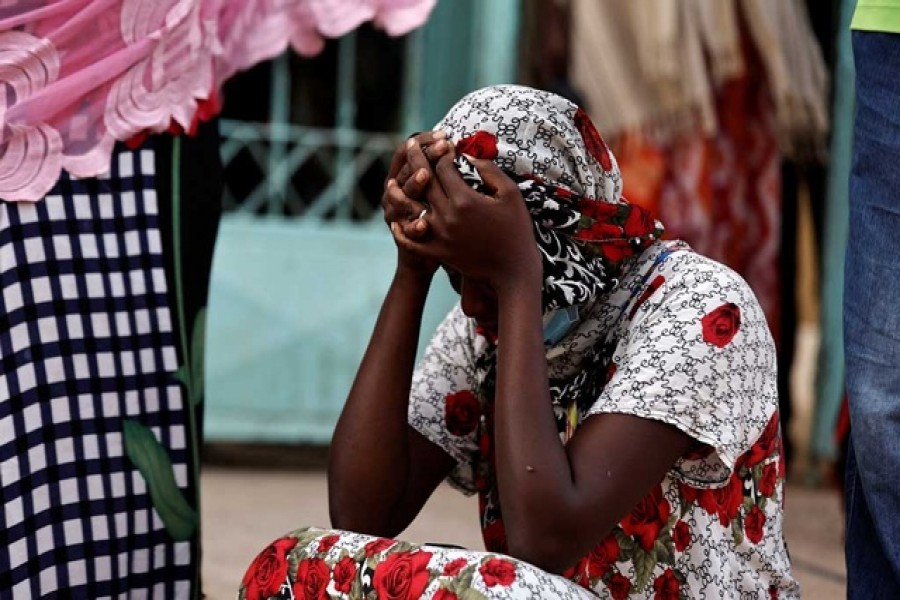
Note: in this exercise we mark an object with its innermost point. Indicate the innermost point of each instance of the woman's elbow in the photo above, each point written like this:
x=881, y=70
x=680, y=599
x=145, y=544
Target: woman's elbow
x=551, y=553
x=342, y=518
x=359, y=520
x=556, y=545
x=348, y=513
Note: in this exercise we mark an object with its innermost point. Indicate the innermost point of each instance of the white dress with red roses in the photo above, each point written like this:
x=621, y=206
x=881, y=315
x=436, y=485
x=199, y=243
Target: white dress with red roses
x=687, y=344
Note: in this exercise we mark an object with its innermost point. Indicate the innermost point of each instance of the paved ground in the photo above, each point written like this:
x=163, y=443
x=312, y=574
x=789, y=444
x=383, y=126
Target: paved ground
x=244, y=509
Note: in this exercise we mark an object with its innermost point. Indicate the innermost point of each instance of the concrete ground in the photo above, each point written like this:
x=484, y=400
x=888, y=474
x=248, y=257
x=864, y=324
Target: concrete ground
x=245, y=509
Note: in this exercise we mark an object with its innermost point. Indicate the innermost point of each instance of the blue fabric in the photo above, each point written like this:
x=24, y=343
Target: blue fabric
x=872, y=322
x=869, y=574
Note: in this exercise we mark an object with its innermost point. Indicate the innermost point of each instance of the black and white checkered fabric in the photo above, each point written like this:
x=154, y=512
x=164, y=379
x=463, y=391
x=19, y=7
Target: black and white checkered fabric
x=86, y=340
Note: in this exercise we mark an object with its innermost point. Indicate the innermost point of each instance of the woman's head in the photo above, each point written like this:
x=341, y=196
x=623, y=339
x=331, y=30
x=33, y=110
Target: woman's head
x=567, y=177
x=535, y=133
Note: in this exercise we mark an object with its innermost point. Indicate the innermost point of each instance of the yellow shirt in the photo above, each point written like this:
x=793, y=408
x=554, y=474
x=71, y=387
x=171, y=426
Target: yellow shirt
x=877, y=15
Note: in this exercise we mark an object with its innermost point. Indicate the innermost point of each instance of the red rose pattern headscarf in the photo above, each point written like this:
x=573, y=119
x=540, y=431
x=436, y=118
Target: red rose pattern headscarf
x=568, y=178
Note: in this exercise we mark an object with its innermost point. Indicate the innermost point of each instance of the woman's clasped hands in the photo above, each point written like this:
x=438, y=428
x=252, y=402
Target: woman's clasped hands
x=436, y=218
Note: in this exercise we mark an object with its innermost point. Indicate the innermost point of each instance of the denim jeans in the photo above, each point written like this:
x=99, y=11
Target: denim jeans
x=872, y=323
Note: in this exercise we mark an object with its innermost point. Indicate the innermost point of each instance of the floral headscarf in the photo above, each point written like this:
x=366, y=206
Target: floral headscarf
x=568, y=178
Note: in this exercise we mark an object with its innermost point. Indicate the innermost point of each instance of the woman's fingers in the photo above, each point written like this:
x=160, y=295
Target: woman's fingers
x=414, y=230
x=434, y=151
x=414, y=186
x=409, y=244
x=451, y=182
x=404, y=174
x=428, y=137
x=409, y=176
x=420, y=170
x=398, y=208
x=493, y=177
x=398, y=160
x=417, y=173
x=397, y=205
x=430, y=249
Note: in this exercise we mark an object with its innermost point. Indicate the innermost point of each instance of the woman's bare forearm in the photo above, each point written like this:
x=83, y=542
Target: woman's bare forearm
x=369, y=459
x=559, y=501
x=533, y=473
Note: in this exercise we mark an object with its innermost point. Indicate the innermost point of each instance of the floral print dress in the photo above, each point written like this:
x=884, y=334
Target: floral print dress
x=682, y=340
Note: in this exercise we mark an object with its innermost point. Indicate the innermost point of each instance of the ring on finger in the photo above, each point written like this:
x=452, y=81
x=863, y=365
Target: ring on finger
x=423, y=213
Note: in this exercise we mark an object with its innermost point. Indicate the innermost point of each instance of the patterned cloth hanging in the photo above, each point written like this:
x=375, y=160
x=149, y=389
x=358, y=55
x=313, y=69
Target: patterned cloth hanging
x=80, y=75
x=100, y=390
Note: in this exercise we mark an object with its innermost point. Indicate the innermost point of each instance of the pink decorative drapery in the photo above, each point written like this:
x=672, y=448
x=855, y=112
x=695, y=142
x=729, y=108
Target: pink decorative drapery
x=78, y=75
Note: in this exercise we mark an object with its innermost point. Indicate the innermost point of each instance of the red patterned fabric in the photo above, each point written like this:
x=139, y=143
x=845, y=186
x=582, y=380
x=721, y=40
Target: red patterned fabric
x=720, y=194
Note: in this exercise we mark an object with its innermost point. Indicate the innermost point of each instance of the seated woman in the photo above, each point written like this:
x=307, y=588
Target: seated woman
x=609, y=396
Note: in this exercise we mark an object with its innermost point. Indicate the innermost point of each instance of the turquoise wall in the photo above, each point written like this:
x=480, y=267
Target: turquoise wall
x=293, y=301
x=291, y=309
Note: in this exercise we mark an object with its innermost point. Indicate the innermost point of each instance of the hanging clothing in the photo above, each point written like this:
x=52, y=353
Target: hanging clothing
x=720, y=193
x=667, y=69
x=795, y=72
x=657, y=65
x=86, y=73
x=714, y=180
x=103, y=286
x=830, y=373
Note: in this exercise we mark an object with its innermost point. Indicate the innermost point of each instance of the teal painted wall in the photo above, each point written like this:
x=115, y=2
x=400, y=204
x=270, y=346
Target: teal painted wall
x=292, y=305
x=466, y=45
x=293, y=301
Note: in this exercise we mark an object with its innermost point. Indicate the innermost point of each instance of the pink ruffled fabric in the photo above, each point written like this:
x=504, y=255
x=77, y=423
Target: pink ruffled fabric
x=78, y=75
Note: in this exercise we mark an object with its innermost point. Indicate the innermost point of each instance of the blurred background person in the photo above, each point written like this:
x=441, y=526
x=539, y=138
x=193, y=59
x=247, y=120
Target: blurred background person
x=871, y=318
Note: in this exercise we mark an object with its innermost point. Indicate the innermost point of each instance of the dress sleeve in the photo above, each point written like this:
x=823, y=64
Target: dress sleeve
x=443, y=406
x=698, y=355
